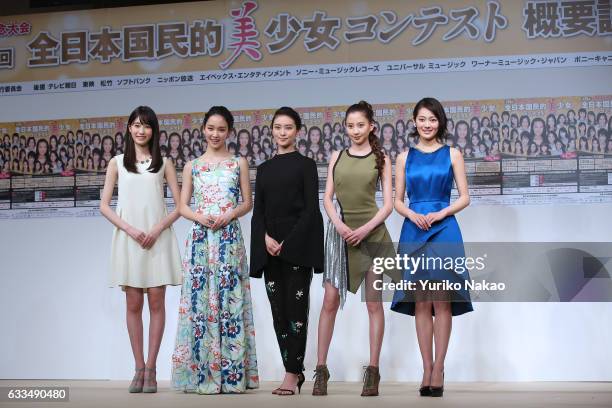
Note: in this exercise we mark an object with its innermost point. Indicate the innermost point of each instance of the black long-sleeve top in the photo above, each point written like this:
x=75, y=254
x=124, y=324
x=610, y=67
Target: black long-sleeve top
x=287, y=208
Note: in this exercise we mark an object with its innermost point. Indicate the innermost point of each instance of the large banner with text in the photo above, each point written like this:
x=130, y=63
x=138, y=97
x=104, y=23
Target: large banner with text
x=199, y=43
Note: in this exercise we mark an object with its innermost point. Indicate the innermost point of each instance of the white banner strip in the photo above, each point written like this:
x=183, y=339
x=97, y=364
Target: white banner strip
x=536, y=61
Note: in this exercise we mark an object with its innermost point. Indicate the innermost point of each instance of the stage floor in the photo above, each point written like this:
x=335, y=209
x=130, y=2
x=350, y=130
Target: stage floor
x=341, y=394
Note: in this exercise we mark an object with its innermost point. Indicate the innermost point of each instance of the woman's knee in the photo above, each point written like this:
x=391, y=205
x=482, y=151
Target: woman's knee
x=331, y=303
x=374, y=307
x=156, y=298
x=442, y=307
x=134, y=302
x=423, y=307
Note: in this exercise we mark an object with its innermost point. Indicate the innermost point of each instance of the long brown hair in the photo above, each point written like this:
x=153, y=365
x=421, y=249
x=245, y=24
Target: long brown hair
x=368, y=112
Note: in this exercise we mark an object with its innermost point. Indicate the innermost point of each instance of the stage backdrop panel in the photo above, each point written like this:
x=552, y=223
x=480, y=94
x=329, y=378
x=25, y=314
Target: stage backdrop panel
x=65, y=72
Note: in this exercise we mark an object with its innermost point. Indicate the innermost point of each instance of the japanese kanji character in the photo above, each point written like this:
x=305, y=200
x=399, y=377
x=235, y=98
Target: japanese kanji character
x=25, y=28
x=3, y=30
x=541, y=19
x=12, y=29
x=244, y=35
x=172, y=39
x=390, y=18
x=106, y=44
x=44, y=50
x=604, y=25
x=321, y=32
x=578, y=17
x=494, y=19
x=74, y=47
x=429, y=19
x=7, y=58
x=138, y=42
x=206, y=38
x=285, y=29
x=466, y=17
x=365, y=26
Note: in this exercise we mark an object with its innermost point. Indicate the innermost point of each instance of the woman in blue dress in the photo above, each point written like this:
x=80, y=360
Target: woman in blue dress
x=431, y=233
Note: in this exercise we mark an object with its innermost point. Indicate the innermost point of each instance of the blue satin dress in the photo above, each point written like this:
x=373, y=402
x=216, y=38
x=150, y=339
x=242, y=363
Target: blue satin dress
x=429, y=181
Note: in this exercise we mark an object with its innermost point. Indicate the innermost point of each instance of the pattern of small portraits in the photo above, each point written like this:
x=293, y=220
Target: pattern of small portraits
x=489, y=136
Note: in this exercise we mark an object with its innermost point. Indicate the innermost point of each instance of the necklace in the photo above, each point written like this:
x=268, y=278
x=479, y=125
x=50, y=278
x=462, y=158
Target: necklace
x=145, y=161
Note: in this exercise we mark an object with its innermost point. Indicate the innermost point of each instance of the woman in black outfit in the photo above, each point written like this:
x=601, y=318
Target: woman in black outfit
x=287, y=241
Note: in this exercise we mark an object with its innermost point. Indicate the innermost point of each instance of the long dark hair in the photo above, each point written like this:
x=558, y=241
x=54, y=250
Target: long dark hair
x=147, y=117
x=368, y=112
x=112, y=151
x=468, y=135
x=435, y=107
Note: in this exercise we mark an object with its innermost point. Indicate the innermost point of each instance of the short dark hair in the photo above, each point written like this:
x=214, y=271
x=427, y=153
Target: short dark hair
x=221, y=111
x=290, y=112
x=435, y=107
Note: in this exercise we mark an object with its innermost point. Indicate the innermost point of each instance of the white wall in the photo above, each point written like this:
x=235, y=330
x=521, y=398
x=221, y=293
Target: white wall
x=61, y=321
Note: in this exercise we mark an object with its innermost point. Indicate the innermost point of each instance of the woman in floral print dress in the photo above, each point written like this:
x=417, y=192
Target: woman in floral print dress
x=215, y=342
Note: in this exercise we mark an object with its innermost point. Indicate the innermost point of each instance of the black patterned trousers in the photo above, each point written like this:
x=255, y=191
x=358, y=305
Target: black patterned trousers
x=288, y=289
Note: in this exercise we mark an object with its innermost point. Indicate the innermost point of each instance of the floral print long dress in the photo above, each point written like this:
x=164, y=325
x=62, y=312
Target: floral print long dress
x=215, y=341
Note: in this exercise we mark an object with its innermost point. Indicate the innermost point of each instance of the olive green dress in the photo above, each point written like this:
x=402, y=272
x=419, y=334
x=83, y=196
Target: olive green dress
x=355, y=182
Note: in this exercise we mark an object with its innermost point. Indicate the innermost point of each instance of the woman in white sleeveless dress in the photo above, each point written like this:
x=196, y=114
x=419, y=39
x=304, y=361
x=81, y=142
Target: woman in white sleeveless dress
x=144, y=252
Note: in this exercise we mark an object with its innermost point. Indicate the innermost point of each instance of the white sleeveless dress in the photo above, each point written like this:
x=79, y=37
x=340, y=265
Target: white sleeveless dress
x=141, y=204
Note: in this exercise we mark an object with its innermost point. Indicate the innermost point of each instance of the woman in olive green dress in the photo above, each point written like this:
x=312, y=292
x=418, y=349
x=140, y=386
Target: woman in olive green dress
x=355, y=235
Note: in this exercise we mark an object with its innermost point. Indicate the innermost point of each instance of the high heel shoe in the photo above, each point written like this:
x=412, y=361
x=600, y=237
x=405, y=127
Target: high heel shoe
x=301, y=380
x=371, y=379
x=151, y=386
x=137, y=381
x=438, y=391
x=321, y=377
x=284, y=391
x=425, y=390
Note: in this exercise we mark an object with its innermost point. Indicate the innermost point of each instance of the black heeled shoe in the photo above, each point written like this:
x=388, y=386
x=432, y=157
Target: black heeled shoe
x=438, y=391
x=285, y=392
x=300, y=382
x=425, y=391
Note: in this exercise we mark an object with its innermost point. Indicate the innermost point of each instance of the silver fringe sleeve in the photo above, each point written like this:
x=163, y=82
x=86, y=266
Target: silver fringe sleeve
x=335, y=269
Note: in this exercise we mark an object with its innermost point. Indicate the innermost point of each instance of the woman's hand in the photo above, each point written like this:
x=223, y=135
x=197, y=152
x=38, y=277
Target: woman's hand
x=419, y=220
x=355, y=237
x=272, y=246
x=136, y=234
x=206, y=220
x=152, y=236
x=435, y=216
x=222, y=220
x=343, y=230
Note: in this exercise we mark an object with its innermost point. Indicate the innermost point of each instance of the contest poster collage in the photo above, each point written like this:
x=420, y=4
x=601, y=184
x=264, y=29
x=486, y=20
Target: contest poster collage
x=67, y=159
